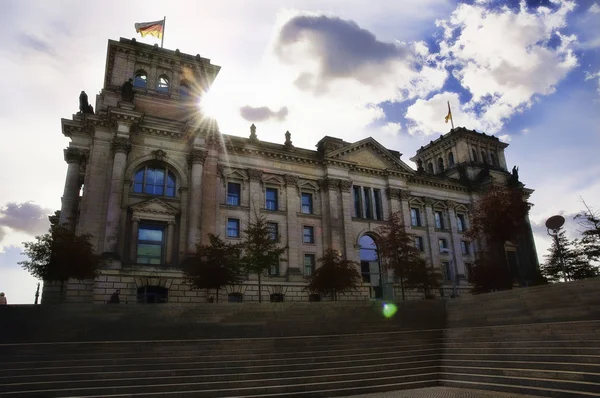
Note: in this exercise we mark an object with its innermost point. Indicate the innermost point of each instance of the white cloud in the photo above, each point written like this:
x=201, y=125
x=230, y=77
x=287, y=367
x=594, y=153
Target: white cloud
x=591, y=76
x=503, y=57
x=594, y=9
x=505, y=138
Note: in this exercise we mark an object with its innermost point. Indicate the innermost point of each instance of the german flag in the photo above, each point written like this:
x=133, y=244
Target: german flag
x=155, y=28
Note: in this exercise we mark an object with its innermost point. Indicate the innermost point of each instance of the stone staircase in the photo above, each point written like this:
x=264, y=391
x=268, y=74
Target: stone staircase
x=542, y=341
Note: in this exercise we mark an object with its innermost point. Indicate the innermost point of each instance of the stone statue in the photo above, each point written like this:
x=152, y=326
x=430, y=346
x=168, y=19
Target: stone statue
x=515, y=173
x=288, y=139
x=253, y=136
x=513, y=180
x=127, y=92
x=420, y=165
x=84, y=106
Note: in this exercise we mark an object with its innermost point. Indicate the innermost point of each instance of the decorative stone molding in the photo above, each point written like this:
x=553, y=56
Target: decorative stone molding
x=429, y=201
x=255, y=174
x=329, y=183
x=253, y=136
x=291, y=179
x=73, y=155
x=345, y=185
x=221, y=170
x=135, y=219
x=159, y=154
x=393, y=193
x=213, y=141
x=120, y=144
x=197, y=156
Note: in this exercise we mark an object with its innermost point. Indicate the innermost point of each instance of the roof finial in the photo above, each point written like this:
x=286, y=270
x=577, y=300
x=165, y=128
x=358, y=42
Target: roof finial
x=253, y=136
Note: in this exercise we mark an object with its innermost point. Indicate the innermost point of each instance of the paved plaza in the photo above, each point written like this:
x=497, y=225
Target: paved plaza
x=442, y=392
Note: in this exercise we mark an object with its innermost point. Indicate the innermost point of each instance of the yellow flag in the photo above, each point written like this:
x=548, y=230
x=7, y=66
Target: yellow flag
x=449, y=115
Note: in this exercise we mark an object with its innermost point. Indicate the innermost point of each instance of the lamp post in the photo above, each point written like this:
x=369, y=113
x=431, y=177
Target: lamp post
x=555, y=224
x=454, y=269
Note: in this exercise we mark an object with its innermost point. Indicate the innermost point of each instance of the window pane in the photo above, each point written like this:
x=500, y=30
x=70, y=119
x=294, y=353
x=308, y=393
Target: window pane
x=149, y=250
x=273, y=233
x=151, y=234
x=149, y=176
x=271, y=195
x=149, y=189
x=170, y=192
x=357, y=202
x=138, y=187
x=139, y=176
x=368, y=203
x=307, y=203
x=233, y=194
x=140, y=80
x=171, y=180
x=308, y=235
x=158, y=189
x=233, y=228
x=159, y=177
x=378, y=211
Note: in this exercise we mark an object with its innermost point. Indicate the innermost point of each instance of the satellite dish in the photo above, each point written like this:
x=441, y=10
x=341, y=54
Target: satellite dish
x=555, y=222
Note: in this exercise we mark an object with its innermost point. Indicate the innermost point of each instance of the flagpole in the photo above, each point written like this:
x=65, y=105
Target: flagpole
x=162, y=39
x=449, y=112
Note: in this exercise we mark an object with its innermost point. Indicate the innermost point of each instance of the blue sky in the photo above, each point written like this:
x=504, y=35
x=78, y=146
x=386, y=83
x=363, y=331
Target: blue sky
x=527, y=72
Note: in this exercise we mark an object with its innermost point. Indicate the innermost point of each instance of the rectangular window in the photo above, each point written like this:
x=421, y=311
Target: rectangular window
x=419, y=243
x=368, y=203
x=443, y=245
x=465, y=247
x=273, y=231
x=274, y=271
x=150, y=244
x=309, y=264
x=308, y=235
x=357, y=202
x=233, y=194
x=468, y=270
x=446, y=270
x=460, y=223
x=307, y=203
x=271, y=203
x=378, y=209
x=439, y=220
x=415, y=217
x=233, y=228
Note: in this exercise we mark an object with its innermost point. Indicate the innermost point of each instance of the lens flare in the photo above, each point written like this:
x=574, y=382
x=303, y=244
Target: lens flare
x=389, y=310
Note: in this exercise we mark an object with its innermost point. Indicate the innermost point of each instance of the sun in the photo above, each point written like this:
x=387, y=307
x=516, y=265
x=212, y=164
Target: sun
x=210, y=105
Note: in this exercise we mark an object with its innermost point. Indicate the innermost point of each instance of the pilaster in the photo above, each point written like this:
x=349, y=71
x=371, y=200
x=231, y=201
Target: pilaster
x=293, y=241
x=196, y=160
x=68, y=212
x=433, y=239
x=210, y=201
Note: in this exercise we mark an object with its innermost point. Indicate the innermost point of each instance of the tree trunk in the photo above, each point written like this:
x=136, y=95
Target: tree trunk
x=259, y=287
x=402, y=286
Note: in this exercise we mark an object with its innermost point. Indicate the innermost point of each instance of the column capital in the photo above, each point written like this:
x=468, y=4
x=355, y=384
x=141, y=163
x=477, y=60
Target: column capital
x=120, y=144
x=345, y=185
x=75, y=155
x=429, y=201
x=291, y=179
x=135, y=219
x=255, y=174
x=197, y=156
x=397, y=193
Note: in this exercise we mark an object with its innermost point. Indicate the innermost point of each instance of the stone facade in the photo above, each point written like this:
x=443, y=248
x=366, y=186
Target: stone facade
x=157, y=178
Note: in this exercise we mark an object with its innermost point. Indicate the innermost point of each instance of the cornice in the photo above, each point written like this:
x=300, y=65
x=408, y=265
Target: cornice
x=162, y=132
x=437, y=184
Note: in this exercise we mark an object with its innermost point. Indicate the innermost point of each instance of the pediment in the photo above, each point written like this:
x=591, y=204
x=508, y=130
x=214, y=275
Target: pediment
x=154, y=206
x=369, y=153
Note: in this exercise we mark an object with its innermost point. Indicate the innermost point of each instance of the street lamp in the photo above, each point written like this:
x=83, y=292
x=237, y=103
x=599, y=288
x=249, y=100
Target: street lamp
x=555, y=223
x=454, y=269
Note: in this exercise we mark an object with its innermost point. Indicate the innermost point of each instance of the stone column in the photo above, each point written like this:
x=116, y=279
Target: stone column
x=121, y=147
x=68, y=211
x=210, y=202
x=135, y=225
x=256, y=197
x=456, y=239
x=293, y=241
x=347, y=207
x=196, y=159
x=170, y=241
x=433, y=239
x=330, y=188
x=393, y=195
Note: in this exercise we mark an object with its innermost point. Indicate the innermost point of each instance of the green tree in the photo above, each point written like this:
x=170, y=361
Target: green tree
x=397, y=249
x=215, y=265
x=589, y=244
x=261, y=250
x=576, y=265
x=498, y=216
x=61, y=255
x=334, y=275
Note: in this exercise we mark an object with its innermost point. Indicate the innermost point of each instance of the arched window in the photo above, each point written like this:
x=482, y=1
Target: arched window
x=483, y=157
x=430, y=167
x=450, y=159
x=184, y=90
x=141, y=79
x=154, y=180
x=474, y=152
x=494, y=160
x=163, y=84
x=369, y=264
x=441, y=164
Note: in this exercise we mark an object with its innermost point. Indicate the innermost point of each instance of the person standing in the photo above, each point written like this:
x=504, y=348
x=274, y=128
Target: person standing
x=3, y=299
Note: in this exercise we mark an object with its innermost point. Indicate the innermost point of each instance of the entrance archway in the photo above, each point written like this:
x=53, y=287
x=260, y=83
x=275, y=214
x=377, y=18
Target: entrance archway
x=153, y=294
x=370, y=266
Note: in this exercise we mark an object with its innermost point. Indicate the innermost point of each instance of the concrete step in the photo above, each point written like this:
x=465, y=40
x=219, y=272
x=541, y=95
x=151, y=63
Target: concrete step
x=524, y=383
x=528, y=372
x=505, y=386
x=272, y=386
x=545, y=365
